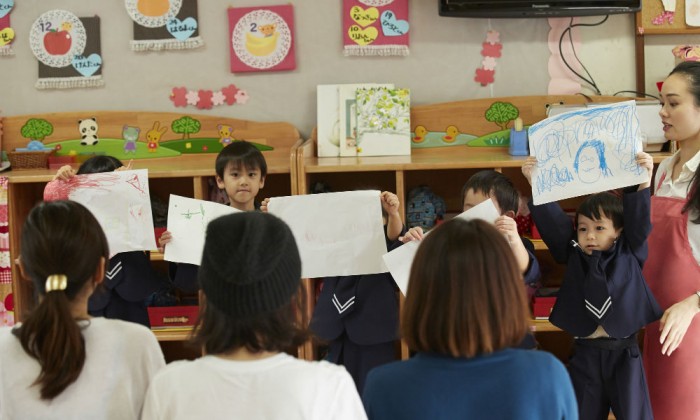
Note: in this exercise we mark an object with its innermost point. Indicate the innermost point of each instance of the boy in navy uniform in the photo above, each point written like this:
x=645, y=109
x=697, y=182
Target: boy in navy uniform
x=604, y=299
x=358, y=315
x=240, y=171
x=129, y=278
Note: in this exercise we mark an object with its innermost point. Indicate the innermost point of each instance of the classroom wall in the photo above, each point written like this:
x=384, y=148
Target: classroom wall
x=444, y=55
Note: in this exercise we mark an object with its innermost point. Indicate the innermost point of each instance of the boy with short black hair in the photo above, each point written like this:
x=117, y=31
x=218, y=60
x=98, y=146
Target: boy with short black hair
x=240, y=171
x=604, y=300
x=489, y=184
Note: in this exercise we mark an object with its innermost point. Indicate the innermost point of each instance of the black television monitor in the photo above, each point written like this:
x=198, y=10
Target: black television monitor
x=535, y=8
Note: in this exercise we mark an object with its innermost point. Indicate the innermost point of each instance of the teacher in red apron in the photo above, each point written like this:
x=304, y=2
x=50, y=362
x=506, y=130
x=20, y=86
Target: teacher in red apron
x=672, y=345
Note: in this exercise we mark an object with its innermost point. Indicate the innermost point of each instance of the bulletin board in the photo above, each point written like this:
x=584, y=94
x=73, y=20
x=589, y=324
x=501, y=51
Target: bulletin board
x=653, y=8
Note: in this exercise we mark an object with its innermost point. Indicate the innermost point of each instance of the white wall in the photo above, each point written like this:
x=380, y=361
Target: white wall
x=444, y=55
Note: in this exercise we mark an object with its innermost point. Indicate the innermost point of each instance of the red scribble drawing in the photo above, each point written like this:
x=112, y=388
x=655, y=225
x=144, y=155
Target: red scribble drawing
x=136, y=212
x=61, y=190
x=136, y=183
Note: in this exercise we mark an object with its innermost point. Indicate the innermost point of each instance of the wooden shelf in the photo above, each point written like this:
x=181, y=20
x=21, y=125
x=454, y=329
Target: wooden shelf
x=172, y=334
x=543, y=325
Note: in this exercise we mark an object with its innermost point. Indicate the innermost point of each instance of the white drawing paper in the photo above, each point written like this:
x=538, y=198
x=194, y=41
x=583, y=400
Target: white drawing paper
x=338, y=234
x=121, y=203
x=187, y=222
x=400, y=259
x=586, y=151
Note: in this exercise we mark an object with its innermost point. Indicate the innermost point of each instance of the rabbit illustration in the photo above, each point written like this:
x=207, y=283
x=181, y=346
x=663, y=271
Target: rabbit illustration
x=153, y=136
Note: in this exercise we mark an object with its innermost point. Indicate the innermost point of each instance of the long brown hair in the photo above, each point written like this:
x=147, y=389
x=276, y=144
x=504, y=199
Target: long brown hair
x=465, y=295
x=58, y=238
x=691, y=71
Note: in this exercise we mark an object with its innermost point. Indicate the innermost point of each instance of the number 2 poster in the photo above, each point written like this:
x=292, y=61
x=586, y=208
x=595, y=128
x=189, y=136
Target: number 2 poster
x=261, y=38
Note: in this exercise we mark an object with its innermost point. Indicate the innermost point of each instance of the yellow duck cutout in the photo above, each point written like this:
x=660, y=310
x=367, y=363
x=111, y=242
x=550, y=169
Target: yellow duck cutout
x=451, y=134
x=419, y=134
x=265, y=45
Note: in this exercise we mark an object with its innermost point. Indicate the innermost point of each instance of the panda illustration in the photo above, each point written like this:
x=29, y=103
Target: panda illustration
x=88, y=131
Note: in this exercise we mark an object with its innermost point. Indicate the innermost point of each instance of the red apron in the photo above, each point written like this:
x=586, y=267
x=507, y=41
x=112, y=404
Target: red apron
x=673, y=274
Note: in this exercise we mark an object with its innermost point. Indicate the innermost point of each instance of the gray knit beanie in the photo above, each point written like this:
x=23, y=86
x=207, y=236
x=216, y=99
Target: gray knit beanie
x=250, y=264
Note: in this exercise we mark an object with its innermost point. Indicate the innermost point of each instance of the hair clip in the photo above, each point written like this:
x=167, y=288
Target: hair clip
x=56, y=282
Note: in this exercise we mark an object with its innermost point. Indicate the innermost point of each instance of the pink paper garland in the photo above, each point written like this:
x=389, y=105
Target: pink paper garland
x=490, y=50
x=207, y=99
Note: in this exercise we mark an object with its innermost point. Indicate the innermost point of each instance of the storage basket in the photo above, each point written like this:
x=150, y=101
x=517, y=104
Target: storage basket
x=30, y=159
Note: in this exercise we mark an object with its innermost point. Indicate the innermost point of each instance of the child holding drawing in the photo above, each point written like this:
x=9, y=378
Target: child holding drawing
x=490, y=184
x=129, y=278
x=604, y=299
x=240, y=171
x=358, y=315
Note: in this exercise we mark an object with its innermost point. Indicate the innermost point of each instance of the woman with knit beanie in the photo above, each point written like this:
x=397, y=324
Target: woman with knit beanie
x=249, y=277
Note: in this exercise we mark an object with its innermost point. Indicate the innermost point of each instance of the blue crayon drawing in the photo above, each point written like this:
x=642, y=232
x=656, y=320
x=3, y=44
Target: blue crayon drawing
x=585, y=151
x=589, y=163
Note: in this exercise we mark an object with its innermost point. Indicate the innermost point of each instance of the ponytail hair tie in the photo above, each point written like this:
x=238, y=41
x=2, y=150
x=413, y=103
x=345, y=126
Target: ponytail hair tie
x=56, y=282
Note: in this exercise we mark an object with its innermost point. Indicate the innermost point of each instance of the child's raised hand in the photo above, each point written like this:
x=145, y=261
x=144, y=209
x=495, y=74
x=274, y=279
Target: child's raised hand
x=64, y=173
x=528, y=167
x=165, y=238
x=390, y=202
x=127, y=167
x=263, y=206
x=508, y=227
x=413, y=234
x=647, y=162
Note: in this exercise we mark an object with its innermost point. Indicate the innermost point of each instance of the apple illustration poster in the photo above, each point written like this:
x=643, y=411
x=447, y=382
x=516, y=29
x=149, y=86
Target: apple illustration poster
x=7, y=34
x=261, y=38
x=375, y=27
x=68, y=49
x=164, y=24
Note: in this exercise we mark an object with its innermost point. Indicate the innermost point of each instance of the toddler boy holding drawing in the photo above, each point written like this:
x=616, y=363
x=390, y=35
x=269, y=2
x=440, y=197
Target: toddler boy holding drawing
x=604, y=299
x=240, y=171
x=129, y=278
x=358, y=315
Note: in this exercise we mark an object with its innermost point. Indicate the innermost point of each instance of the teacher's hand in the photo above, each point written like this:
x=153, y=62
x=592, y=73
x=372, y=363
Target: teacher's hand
x=675, y=322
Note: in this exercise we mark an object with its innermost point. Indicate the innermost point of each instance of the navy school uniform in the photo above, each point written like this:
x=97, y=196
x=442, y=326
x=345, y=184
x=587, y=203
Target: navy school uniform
x=607, y=289
x=359, y=317
x=129, y=281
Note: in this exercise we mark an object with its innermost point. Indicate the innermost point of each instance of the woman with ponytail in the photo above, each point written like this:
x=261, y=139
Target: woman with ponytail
x=59, y=362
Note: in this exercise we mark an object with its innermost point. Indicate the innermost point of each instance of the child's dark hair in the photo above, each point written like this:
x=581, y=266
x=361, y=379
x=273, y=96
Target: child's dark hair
x=602, y=204
x=58, y=238
x=489, y=182
x=240, y=153
x=98, y=164
x=691, y=71
x=279, y=330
